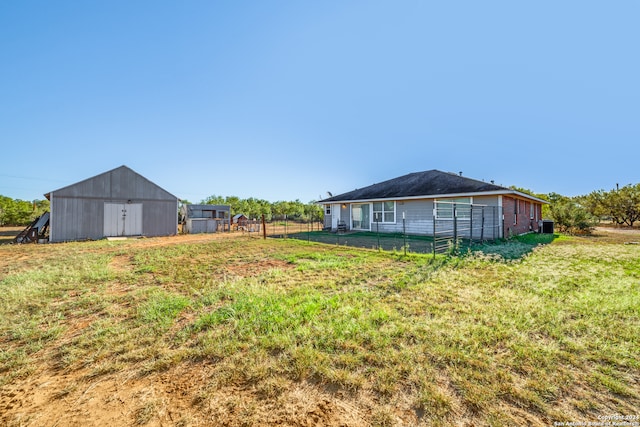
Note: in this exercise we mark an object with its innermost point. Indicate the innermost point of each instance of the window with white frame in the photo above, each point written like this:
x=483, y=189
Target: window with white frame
x=444, y=208
x=360, y=216
x=327, y=210
x=384, y=212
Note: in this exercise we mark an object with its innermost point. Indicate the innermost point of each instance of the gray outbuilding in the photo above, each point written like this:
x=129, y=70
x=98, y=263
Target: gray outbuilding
x=116, y=203
x=206, y=218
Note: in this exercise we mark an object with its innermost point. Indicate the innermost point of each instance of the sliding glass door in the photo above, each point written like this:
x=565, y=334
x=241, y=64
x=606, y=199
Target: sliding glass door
x=360, y=216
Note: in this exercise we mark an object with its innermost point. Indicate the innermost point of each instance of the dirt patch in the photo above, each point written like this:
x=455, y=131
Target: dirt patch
x=617, y=235
x=181, y=396
x=255, y=268
x=181, y=239
x=120, y=263
x=7, y=234
x=626, y=230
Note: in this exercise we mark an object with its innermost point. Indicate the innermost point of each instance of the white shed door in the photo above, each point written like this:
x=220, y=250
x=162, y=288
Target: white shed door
x=122, y=219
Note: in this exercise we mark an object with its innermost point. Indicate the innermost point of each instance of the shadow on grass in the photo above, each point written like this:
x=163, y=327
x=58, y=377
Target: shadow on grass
x=514, y=248
x=511, y=249
x=370, y=240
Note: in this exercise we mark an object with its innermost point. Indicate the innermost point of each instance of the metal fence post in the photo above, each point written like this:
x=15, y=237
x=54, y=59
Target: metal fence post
x=404, y=234
x=471, y=226
x=434, y=233
x=482, y=227
x=455, y=227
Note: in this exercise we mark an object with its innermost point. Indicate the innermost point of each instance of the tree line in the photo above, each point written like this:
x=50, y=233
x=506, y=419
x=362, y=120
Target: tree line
x=620, y=206
x=255, y=208
x=16, y=212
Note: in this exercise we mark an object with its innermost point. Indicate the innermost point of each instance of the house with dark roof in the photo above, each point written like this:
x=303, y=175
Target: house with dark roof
x=421, y=202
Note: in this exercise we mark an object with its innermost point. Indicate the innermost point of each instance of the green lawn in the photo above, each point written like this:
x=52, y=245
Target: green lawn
x=519, y=334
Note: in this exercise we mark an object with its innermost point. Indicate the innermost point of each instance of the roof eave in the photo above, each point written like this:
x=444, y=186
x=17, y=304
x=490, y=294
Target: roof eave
x=436, y=196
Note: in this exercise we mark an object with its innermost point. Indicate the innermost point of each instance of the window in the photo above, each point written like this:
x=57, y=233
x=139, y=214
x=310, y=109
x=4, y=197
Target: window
x=531, y=210
x=360, y=216
x=327, y=209
x=444, y=208
x=384, y=212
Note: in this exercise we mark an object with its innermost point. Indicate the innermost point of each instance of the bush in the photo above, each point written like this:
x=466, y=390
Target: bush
x=570, y=216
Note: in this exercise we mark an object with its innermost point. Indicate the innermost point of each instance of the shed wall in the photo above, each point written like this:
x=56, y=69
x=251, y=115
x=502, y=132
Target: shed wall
x=75, y=219
x=77, y=211
x=83, y=219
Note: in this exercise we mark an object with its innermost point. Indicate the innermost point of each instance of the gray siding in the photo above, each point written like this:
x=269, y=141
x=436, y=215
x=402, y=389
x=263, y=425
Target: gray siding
x=345, y=215
x=77, y=211
x=418, y=216
x=497, y=223
x=201, y=225
x=75, y=219
x=327, y=220
x=485, y=200
x=159, y=217
x=197, y=211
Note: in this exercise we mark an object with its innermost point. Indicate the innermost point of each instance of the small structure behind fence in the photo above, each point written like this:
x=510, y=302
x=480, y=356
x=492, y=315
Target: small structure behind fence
x=205, y=218
x=248, y=225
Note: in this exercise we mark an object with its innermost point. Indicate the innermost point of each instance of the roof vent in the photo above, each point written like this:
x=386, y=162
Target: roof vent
x=493, y=182
x=460, y=173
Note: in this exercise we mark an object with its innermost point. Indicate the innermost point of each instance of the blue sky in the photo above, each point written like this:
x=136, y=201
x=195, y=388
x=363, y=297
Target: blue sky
x=284, y=100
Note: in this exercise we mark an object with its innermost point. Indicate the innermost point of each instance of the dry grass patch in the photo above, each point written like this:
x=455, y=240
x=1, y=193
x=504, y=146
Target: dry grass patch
x=276, y=332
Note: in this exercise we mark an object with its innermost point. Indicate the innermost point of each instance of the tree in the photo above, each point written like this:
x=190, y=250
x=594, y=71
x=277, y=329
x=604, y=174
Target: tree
x=213, y=200
x=20, y=212
x=255, y=208
x=622, y=206
x=313, y=212
x=629, y=200
x=569, y=215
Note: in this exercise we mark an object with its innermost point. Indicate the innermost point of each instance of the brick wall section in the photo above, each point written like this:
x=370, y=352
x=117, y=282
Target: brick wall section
x=517, y=216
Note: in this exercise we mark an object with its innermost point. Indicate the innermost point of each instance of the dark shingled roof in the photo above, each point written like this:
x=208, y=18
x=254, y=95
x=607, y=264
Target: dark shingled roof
x=427, y=183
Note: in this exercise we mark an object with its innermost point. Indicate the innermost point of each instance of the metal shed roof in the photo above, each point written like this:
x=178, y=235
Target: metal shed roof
x=121, y=182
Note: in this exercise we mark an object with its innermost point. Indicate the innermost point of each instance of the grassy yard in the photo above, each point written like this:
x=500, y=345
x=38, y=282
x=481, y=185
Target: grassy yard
x=241, y=331
x=369, y=240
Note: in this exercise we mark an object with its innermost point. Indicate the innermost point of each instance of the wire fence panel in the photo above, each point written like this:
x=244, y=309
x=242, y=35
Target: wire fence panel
x=453, y=226
x=278, y=226
x=464, y=224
